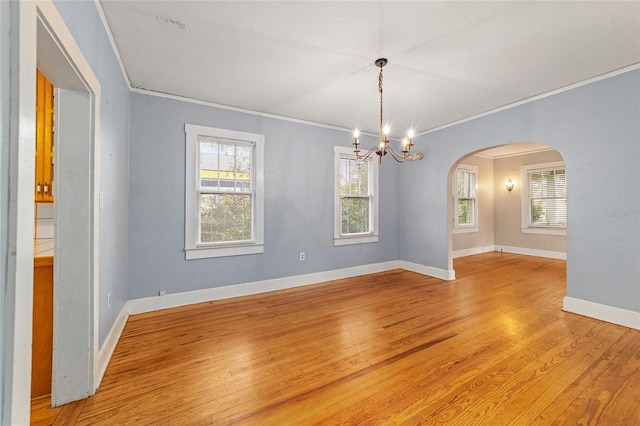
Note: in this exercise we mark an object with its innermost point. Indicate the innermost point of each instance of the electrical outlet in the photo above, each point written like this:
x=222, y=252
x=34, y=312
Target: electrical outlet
x=161, y=293
x=302, y=256
x=109, y=300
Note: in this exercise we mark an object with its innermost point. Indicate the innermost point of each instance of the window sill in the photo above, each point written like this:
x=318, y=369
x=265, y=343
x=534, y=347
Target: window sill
x=545, y=231
x=465, y=230
x=222, y=251
x=344, y=241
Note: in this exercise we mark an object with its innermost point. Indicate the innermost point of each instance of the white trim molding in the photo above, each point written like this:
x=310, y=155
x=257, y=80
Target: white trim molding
x=601, y=312
x=533, y=252
x=104, y=356
x=112, y=41
x=471, y=251
x=443, y=274
x=149, y=304
x=534, y=98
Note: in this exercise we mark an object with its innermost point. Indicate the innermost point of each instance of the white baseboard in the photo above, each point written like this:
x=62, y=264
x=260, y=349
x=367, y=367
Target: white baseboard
x=148, y=304
x=104, y=356
x=532, y=252
x=471, y=251
x=443, y=274
x=606, y=313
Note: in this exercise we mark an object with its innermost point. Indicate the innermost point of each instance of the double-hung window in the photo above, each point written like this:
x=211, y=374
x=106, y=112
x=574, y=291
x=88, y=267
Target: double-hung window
x=466, y=202
x=356, y=198
x=224, y=192
x=544, y=201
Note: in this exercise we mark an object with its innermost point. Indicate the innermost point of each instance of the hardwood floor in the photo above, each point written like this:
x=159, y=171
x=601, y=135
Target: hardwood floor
x=492, y=347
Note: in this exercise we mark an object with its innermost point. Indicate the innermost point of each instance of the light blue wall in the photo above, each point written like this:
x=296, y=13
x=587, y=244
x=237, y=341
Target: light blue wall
x=596, y=128
x=298, y=201
x=87, y=29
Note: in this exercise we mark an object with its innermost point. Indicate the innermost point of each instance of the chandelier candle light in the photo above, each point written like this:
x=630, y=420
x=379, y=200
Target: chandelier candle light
x=382, y=148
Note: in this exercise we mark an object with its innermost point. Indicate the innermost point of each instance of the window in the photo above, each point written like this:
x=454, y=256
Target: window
x=544, y=201
x=466, y=202
x=356, y=199
x=224, y=207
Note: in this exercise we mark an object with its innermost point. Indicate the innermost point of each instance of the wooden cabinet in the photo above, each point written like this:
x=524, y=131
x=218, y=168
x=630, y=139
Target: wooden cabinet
x=42, y=346
x=44, y=140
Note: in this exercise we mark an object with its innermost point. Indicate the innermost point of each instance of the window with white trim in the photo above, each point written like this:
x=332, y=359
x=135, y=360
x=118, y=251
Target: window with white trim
x=466, y=201
x=544, y=199
x=224, y=193
x=356, y=198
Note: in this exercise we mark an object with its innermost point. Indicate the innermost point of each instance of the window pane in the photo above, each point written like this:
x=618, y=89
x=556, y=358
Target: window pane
x=463, y=184
x=354, y=177
x=548, y=192
x=466, y=212
x=225, y=166
x=225, y=217
x=243, y=168
x=361, y=177
x=561, y=183
x=466, y=184
x=355, y=215
x=549, y=212
x=208, y=163
x=466, y=198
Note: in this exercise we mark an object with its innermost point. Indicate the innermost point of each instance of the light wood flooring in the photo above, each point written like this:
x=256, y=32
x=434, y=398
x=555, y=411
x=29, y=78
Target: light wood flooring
x=492, y=347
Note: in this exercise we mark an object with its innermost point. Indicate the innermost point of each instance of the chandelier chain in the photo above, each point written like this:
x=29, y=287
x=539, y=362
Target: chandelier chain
x=383, y=147
x=380, y=90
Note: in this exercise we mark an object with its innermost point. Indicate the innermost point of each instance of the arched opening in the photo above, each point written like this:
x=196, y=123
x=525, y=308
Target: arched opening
x=508, y=198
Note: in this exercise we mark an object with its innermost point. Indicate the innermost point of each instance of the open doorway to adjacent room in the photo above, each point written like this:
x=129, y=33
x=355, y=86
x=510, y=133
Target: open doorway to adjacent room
x=508, y=199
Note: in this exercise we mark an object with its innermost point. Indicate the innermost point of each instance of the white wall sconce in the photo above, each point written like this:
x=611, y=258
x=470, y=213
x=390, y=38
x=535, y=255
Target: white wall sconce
x=509, y=185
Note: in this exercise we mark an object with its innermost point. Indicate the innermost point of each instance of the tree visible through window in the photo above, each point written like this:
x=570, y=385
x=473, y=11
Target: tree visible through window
x=356, y=204
x=225, y=191
x=355, y=197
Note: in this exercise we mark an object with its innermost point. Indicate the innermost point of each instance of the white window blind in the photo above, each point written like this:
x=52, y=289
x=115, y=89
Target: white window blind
x=548, y=197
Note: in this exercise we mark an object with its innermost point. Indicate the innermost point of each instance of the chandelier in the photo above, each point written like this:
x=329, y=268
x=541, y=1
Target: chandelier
x=383, y=147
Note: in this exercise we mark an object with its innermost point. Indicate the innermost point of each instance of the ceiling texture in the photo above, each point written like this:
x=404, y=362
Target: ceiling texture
x=314, y=61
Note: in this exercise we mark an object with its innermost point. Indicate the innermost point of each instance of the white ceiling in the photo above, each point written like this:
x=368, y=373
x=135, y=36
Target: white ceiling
x=314, y=60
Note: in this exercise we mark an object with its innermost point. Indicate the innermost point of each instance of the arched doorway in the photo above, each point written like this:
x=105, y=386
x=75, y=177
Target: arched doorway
x=485, y=215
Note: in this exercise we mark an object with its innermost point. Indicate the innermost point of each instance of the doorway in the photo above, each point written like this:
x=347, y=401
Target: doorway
x=77, y=98
x=493, y=214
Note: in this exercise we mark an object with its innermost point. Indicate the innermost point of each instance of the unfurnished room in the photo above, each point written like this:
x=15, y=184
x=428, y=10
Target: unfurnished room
x=314, y=212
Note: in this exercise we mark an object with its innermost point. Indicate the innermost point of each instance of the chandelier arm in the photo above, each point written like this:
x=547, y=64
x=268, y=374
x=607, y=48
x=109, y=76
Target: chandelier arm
x=365, y=157
x=397, y=156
